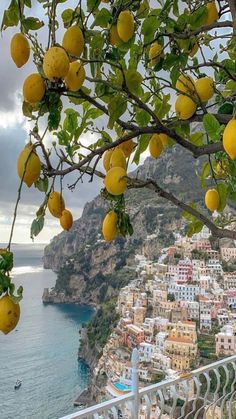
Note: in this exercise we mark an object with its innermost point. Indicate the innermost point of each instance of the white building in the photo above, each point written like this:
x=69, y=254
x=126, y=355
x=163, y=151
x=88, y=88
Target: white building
x=185, y=292
x=146, y=351
x=160, y=340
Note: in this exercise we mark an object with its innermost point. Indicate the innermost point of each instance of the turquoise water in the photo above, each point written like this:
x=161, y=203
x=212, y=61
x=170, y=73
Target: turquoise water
x=43, y=351
x=121, y=387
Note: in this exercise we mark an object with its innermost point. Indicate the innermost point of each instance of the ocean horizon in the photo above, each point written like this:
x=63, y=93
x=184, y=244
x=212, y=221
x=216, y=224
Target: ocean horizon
x=43, y=350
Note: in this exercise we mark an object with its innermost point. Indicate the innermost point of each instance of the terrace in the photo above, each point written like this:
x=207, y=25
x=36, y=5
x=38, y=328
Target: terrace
x=208, y=392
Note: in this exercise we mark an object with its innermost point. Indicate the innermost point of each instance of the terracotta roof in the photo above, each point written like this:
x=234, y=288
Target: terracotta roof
x=179, y=340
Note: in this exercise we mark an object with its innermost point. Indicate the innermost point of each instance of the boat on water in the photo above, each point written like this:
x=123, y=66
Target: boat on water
x=18, y=384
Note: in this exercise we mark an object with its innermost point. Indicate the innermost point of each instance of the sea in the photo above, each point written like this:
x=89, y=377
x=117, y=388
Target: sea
x=42, y=351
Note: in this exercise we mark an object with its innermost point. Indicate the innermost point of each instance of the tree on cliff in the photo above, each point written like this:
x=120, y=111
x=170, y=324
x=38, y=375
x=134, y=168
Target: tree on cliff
x=138, y=75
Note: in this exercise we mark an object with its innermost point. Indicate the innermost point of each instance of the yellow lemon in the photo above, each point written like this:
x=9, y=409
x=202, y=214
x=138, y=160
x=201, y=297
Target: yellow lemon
x=125, y=25
x=20, y=49
x=109, y=226
x=155, y=146
x=115, y=181
x=73, y=41
x=212, y=199
x=114, y=38
x=212, y=13
x=164, y=139
x=28, y=165
x=155, y=52
x=66, y=220
x=9, y=314
x=75, y=76
x=107, y=159
x=204, y=88
x=34, y=88
x=185, y=107
x=127, y=147
x=56, y=63
x=56, y=204
x=118, y=158
x=229, y=139
x=185, y=84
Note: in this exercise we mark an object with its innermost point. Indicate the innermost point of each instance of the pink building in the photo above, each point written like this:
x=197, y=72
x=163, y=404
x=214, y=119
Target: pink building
x=226, y=341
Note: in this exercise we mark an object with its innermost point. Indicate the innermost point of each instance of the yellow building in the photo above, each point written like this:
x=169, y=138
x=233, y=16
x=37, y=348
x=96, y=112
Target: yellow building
x=181, y=351
x=183, y=330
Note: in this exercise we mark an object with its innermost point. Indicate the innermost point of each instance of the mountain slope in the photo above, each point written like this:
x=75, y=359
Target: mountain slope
x=84, y=261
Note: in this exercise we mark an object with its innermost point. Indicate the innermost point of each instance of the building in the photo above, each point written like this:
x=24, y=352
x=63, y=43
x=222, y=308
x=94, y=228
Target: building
x=228, y=253
x=226, y=341
x=181, y=351
x=205, y=306
x=133, y=336
x=146, y=351
x=229, y=280
x=185, y=292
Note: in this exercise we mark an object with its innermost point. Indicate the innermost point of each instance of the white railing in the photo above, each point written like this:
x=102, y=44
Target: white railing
x=208, y=392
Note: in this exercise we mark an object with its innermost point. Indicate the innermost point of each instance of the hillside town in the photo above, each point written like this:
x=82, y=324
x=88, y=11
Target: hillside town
x=179, y=312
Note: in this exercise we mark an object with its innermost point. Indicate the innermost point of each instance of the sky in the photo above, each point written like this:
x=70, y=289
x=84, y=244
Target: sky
x=14, y=128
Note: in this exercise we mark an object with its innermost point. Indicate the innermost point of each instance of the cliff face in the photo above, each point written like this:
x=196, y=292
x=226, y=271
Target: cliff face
x=84, y=261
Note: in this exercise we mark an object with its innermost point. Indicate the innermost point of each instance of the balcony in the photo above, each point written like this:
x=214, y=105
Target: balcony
x=208, y=392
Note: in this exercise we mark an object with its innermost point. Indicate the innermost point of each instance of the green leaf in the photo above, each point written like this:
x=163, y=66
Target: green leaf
x=42, y=184
x=223, y=193
x=36, y=227
x=142, y=146
x=103, y=17
x=212, y=127
x=6, y=260
x=32, y=23
x=92, y=5
x=198, y=17
x=142, y=118
x=133, y=81
x=149, y=27
x=226, y=108
x=70, y=123
x=116, y=107
x=197, y=138
x=54, y=118
x=11, y=16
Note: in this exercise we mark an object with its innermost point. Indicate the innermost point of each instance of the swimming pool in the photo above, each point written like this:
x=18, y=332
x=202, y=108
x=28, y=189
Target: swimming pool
x=121, y=386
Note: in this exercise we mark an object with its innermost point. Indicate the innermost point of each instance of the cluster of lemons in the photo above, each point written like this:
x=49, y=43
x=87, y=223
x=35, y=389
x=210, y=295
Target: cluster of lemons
x=59, y=63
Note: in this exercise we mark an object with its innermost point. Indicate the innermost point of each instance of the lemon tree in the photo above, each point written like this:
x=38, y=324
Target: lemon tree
x=138, y=75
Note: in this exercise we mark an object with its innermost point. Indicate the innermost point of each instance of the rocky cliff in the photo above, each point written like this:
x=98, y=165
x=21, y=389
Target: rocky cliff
x=84, y=261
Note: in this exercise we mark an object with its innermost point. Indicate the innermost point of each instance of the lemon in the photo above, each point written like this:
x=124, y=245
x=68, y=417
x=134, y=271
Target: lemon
x=75, y=76
x=127, y=147
x=155, y=52
x=20, y=49
x=212, y=199
x=221, y=168
x=212, y=13
x=125, y=25
x=114, y=38
x=106, y=159
x=204, y=88
x=56, y=63
x=118, y=158
x=73, y=41
x=28, y=165
x=229, y=139
x=66, y=220
x=155, y=146
x=56, y=204
x=115, y=181
x=185, y=107
x=185, y=84
x=9, y=314
x=109, y=226
x=164, y=139
x=34, y=88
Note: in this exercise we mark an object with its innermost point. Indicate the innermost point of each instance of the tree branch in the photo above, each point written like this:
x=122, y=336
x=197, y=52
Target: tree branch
x=153, y=186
